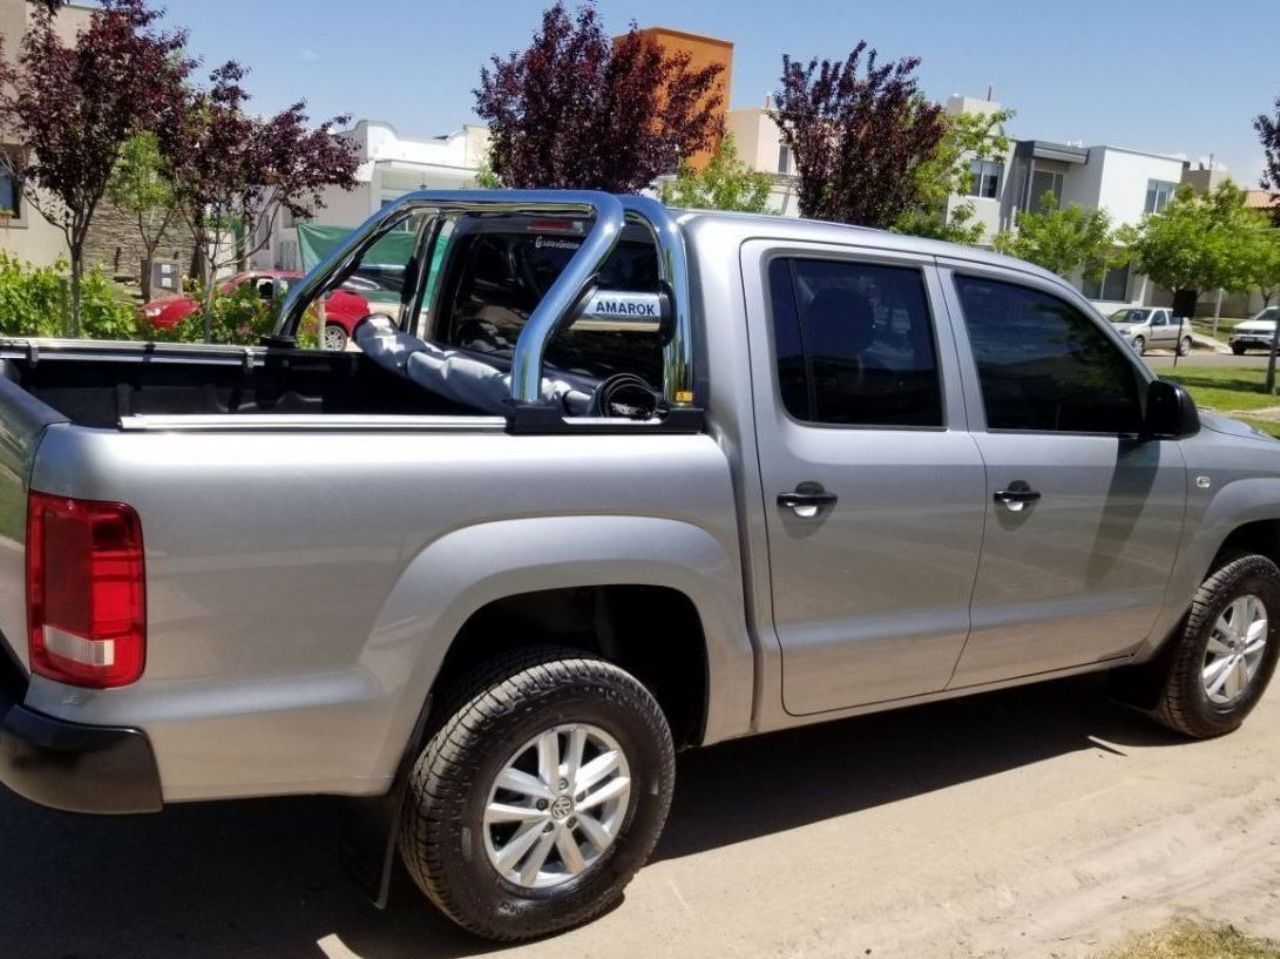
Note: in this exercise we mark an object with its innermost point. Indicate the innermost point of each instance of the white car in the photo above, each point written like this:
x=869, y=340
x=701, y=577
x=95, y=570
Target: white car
x=1145, y=326
x=1256, y=333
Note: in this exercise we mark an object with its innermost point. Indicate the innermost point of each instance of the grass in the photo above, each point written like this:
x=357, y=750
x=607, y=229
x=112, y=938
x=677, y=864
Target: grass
x=1188, y=940
x=1230, y=390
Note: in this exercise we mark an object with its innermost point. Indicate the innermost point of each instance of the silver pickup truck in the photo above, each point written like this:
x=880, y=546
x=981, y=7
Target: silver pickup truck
x=611, y=481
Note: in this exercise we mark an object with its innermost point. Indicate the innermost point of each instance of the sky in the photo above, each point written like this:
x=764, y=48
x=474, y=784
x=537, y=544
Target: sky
x=1181, y=77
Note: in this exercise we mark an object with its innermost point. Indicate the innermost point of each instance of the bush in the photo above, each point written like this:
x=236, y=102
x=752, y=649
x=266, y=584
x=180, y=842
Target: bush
x=36, y=301
x=240, y=317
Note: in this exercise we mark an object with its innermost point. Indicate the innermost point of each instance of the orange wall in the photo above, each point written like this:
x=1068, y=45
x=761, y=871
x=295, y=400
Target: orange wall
x=703, y=52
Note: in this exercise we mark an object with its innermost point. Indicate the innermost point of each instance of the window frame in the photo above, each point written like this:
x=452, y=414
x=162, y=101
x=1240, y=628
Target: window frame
x=939, y=326
x=971, y=383
x=1155, y=189
x=979, y=170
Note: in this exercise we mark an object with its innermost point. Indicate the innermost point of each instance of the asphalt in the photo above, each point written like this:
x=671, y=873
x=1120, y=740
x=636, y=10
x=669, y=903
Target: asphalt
x=1024, y=823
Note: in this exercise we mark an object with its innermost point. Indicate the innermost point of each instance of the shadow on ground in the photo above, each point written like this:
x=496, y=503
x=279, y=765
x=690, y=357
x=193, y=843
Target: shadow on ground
x=259, y=880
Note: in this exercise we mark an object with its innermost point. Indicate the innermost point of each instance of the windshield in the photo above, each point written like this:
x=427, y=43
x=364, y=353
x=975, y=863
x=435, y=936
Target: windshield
x=1130, y=316
x=1269, y=315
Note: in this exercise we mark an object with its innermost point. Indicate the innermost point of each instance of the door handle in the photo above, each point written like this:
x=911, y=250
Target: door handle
x=807, y=499
x=1016, y=497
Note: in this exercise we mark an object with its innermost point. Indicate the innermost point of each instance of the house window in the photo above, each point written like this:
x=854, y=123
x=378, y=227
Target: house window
x=1042, y=182
x=1113, y=286
x=10, y=195
x=1159, y=193
x=984, y=177
x=784, y=158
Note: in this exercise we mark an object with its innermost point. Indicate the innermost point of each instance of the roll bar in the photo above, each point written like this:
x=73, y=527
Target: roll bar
x=610, y=214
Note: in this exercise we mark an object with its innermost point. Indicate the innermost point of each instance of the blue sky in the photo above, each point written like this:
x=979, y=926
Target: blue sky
x=1177, y=76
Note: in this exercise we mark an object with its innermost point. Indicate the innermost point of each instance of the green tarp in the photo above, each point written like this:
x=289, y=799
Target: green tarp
x=316, y=242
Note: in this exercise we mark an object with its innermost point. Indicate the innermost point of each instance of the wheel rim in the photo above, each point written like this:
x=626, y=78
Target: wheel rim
x=557, y=805
x=1139, y=344
x=1236, y=647
x=334, y=338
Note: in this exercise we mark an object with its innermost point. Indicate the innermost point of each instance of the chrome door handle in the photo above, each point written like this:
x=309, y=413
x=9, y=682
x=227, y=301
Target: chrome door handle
x=1016, y=497
x=807, y=499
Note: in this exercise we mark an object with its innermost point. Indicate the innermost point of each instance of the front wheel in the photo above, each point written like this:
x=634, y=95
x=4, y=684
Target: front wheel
x=1184, y=346
x=1139, y=345
x=536, y=801
x=1227, y=650
x=1238, y=349
x=335, y=338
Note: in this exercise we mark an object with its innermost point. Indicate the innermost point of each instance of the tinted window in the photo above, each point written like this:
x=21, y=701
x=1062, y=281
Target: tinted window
x=854, y=343
x=1044, y=365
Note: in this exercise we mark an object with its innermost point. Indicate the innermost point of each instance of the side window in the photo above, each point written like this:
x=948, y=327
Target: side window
x=1043, y=365
x=854, y=343
x=1159, y=318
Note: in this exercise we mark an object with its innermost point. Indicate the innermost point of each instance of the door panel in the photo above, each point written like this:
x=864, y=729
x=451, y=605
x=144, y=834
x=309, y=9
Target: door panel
x=870, y=594
x=1077, y=576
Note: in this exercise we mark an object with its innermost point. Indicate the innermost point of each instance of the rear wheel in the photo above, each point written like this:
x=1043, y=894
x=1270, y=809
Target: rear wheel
x=1227, y=651
x=540, y=796
x=1140, y=345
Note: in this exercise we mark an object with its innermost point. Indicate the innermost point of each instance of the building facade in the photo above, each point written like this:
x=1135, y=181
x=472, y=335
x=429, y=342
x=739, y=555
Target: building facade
x=24, y=233
x=390, y=166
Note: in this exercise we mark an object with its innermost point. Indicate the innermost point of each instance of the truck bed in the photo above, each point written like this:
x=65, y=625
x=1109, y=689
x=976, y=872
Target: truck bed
x=97, y=385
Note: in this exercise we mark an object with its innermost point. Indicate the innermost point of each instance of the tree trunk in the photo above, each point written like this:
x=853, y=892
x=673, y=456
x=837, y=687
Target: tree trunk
x=77, y=268
x=1270, y=386
x=209, y=291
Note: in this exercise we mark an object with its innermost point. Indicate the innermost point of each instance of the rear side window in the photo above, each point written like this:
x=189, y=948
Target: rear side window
x=1043, y=365
x=854, y=343
x=496, y=279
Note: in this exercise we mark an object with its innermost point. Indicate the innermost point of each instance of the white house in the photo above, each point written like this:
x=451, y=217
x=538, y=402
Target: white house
x=390, y=166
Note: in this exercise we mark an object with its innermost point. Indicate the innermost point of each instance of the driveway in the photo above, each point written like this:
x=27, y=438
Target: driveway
x=1034, y=822
x=1206, y=358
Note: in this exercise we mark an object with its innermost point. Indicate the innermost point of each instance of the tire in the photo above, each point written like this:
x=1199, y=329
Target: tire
x=1139, y=345
x=1184, y=346
x=1238, y=349
x=335, y=338
x=499, y=717
x=1186, y=702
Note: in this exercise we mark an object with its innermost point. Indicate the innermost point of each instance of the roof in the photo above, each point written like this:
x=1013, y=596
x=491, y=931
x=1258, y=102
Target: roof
x=749, y=226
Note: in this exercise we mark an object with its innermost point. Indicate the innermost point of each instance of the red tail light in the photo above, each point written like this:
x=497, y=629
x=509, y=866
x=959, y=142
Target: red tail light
x=86, y=600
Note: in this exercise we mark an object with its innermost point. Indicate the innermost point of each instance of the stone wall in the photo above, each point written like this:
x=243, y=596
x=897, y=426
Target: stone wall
x=115, y=245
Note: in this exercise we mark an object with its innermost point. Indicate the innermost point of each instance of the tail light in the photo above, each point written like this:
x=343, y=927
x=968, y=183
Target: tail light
x=86, y=599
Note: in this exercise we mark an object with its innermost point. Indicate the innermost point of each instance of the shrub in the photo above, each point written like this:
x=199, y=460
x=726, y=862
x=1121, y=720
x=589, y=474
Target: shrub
x=240, y=317
x=35, y=301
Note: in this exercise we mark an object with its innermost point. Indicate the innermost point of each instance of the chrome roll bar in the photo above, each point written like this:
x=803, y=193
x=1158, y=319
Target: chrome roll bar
x=610, y=214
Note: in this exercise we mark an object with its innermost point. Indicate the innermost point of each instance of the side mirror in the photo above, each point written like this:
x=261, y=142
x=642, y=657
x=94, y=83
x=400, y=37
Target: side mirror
x=1171, y=412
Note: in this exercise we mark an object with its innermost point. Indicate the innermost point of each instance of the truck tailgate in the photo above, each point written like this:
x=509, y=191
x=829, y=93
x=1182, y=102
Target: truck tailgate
x=23, y=420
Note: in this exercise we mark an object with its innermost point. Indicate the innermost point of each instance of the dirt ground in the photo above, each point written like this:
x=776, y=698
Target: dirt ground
x=1037, y=822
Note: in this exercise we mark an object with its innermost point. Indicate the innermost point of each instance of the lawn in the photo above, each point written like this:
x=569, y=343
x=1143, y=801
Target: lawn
x=1229, y=390
x=1186, y=940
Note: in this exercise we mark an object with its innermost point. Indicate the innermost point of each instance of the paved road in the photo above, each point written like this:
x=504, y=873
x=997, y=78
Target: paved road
x=1024, y=823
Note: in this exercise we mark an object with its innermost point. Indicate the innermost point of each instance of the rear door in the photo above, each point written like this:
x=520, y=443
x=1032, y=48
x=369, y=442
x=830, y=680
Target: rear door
x=873, y=489
x=1083, y=516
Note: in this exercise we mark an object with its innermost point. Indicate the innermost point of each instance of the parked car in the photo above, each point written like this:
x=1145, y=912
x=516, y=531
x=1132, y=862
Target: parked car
x=344, y=307
x=1146, y=326
x=1256, y=333
x=631, y=481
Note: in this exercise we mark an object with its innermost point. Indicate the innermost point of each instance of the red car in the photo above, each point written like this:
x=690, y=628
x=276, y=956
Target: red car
x=343, y=308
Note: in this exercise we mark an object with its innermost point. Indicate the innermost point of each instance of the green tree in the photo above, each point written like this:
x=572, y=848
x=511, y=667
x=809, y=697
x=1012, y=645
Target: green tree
x=725, y=183
x=139, y=188
x=1198, y=243
x=970, y=137
x=1265, y=264
x=1066, y=240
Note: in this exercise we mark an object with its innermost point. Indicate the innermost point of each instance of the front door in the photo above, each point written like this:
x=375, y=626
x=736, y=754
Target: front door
x=1083, y=516
x=873, y=489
